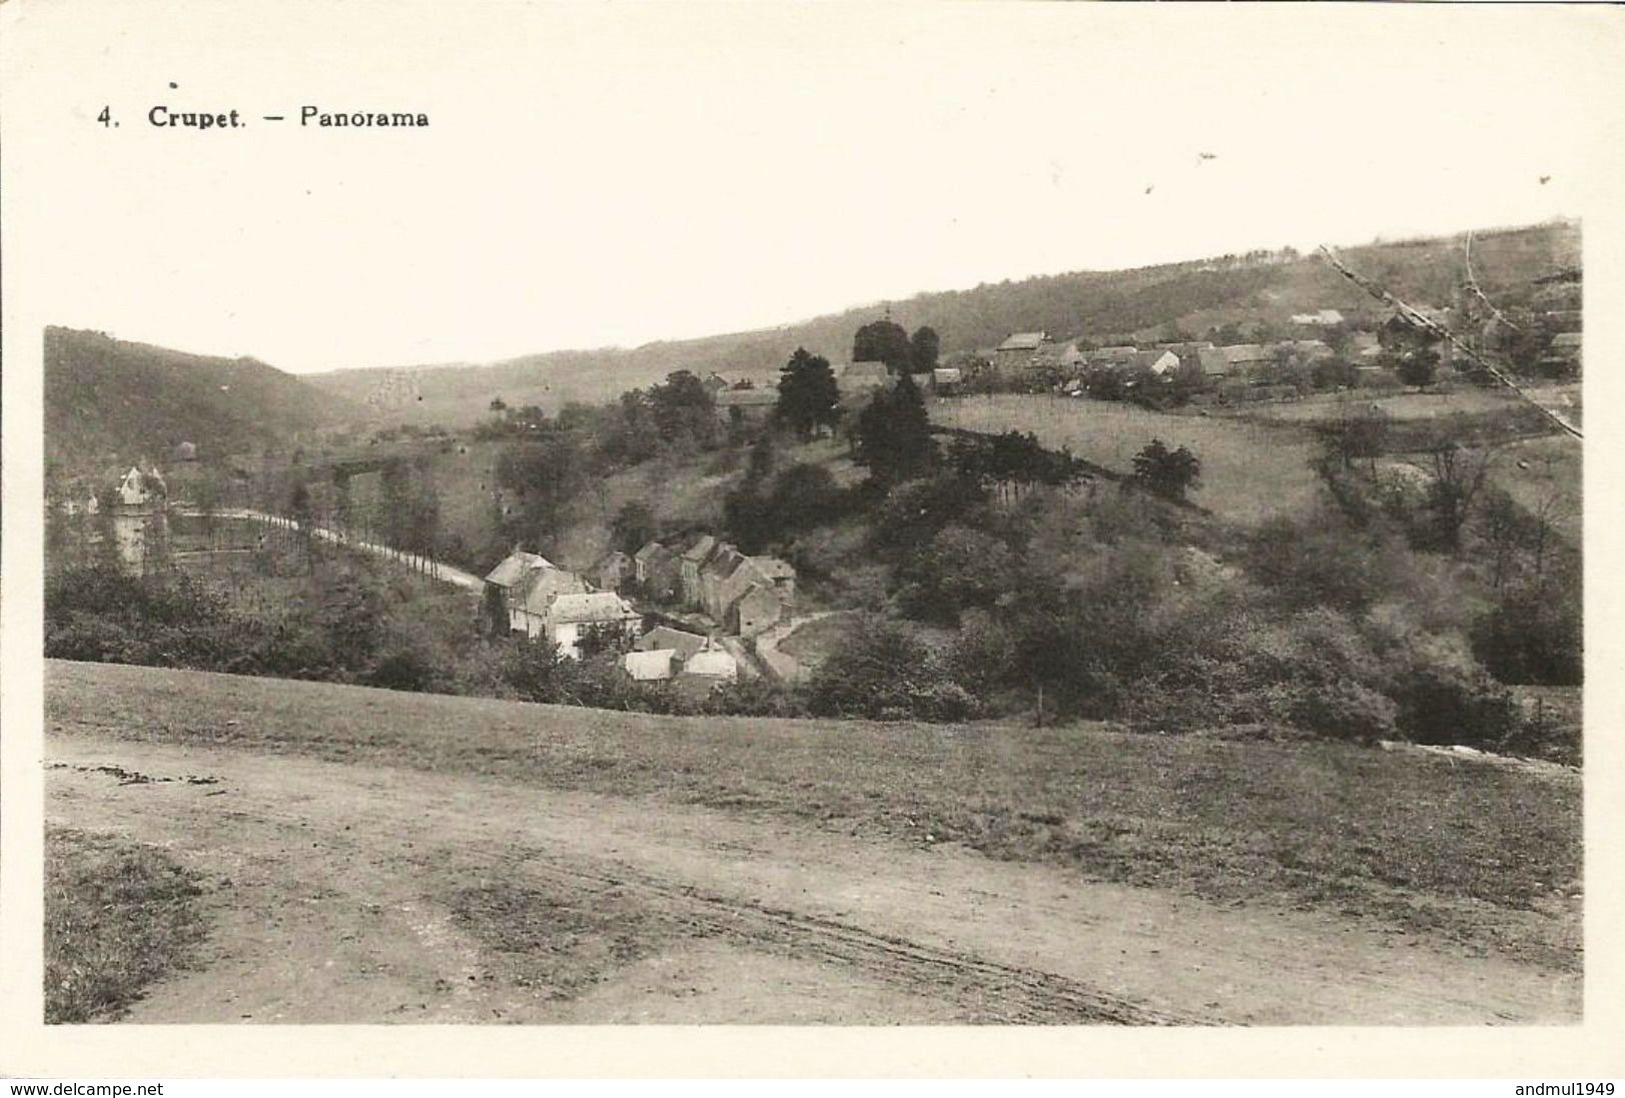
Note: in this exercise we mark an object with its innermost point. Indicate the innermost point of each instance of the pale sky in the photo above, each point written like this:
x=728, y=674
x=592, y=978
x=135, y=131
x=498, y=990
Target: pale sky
x=617, y=173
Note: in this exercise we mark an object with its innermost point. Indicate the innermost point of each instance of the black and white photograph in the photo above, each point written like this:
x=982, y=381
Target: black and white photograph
x=806, y=515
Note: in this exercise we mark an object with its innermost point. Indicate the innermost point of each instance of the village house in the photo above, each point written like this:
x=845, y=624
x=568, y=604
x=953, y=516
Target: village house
x=1157, y=361
x=526, y=584
x=1063, y=356
x=658, y=572
x=572, y=618
x=535, y=595
x=611, y=570
x=694, y=662
x=691, y=560
x=861, y=380
x=754, y=404
x=1019, y=350
x=1121, y=355
x=706, y=670
x=946, y=379
x=141, y=489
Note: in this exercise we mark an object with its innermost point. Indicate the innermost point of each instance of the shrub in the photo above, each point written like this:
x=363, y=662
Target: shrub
x=1452, y=703
x=884, y=672
x=1344, y=711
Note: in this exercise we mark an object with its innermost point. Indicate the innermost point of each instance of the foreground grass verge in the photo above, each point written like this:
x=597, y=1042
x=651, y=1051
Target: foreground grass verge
x=118, y=916
x=1485, y=856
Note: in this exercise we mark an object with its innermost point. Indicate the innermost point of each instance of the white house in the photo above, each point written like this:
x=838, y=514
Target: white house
x=570, y=617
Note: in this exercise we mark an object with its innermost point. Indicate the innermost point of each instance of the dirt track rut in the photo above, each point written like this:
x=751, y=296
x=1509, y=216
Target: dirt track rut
x=342, y=894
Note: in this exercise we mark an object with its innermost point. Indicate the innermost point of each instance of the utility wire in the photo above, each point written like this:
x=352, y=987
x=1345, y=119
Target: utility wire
x=1416, y=318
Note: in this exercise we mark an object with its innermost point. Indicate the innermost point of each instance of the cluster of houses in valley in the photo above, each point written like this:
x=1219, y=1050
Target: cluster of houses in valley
x=723, y=591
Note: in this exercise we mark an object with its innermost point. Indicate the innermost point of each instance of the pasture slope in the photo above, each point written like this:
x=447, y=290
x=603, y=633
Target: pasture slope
x=1250, y=471
x=373, y=857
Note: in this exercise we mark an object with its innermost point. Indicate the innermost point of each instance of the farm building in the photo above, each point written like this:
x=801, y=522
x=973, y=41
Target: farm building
x=946, y=379
x=571, y=618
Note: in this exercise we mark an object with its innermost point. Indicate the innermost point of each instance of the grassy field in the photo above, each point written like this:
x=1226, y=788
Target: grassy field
x=1545, y=475
x=1402, y=406
x=1487, y=856
x=1250, y=471
x=118, y=916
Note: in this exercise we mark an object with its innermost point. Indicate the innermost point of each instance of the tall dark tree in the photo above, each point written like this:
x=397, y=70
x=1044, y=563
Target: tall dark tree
x=894, y=434
x=683, y=410
x=808, y=396
x=633, y=527
x=883, y=341
x=1168, y=473
x=926, y=345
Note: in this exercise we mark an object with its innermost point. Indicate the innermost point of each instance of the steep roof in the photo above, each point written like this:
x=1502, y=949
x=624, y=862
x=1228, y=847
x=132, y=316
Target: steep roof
x=541, y=586
x=596, y=606
x=664, y=636
x=726, y=562
x=946, y=375
x=514, y=566
x=712, y=663
x=1024, y=341
x=773, y=568
x=652, y=551
x=1156, y=361
x=703, y=546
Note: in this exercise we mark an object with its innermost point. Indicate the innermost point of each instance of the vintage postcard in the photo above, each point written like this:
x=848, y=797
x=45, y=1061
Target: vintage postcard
x=949, y=539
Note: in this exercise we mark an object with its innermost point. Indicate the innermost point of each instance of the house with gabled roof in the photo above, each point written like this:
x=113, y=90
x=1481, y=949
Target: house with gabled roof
x=572, y=617
x=680, y=641
x=658, y=572
x=513, y=568
x=1024, y=341
x=861, y=380
x=533, y=597
x=751, y=403
x=611, y=570
x=690, y=561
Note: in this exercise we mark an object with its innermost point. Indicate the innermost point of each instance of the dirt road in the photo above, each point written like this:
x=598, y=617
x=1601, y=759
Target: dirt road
x=351, y=893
